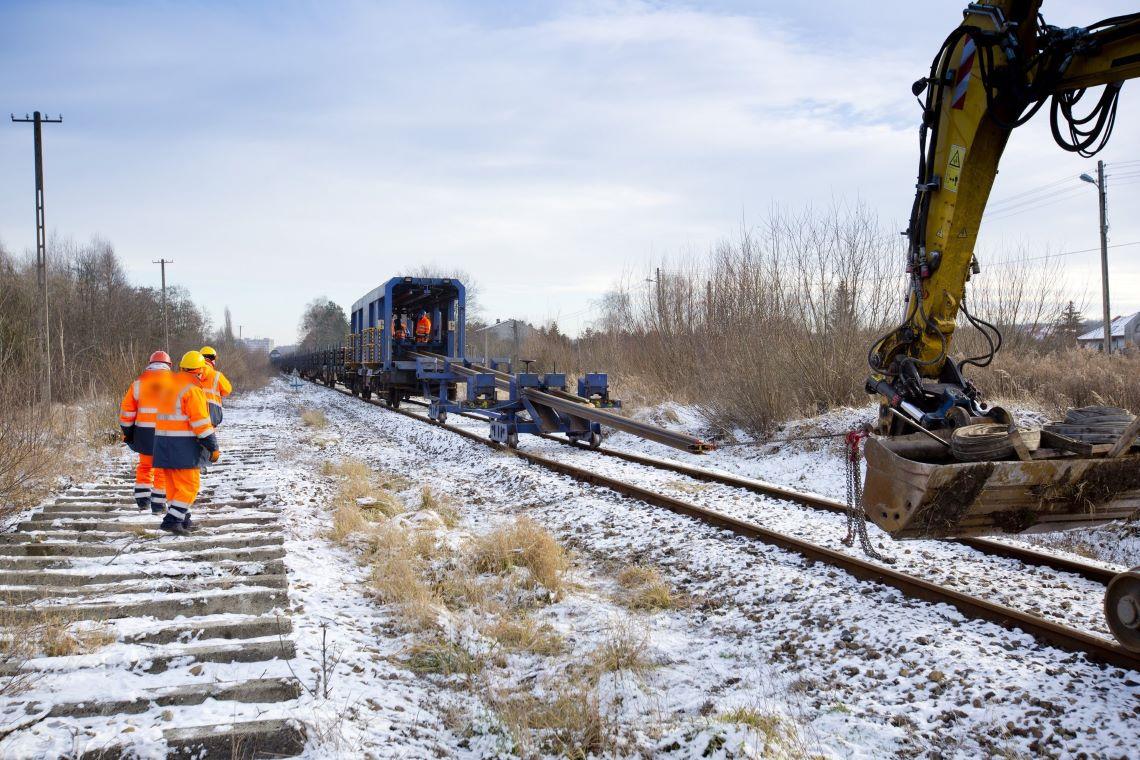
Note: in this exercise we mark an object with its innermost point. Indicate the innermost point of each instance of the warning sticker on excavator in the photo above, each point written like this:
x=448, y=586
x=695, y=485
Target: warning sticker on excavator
x=954, y=168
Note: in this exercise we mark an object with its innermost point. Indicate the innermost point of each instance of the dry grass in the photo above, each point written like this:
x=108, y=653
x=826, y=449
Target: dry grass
x=643, y=588
x=568, y=722
x=779, y=735
x=444, y=506
x=348, y=521
x=360, y=499
x=522, y=544
x=623, y=651
x=51, y=634
x=399, y=576
x=1059, y=381
x=314, y=418
x=763, y=723
x=521, y=633
x=442, y=657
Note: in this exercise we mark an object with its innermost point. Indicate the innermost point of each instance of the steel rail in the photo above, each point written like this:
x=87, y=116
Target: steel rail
x=1069, y=639
x=815, y=501
x=1095, y=573
x=566, y=404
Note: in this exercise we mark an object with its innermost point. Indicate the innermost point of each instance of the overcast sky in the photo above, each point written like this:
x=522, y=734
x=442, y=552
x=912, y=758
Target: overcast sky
x=278, y=151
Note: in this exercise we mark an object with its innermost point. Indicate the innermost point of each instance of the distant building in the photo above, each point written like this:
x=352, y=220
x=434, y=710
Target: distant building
x=1125, y=335
x=263, y=345
x=508, y=330
x=502, y=341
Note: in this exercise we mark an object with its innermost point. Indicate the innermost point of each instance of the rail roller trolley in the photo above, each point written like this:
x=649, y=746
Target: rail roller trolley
x=374, y=361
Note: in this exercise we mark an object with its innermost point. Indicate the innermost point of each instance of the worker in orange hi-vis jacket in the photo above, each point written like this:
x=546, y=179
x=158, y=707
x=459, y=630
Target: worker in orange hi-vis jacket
x=215, y=384
x=182, y=433
x=423, y=328
x=137, y=414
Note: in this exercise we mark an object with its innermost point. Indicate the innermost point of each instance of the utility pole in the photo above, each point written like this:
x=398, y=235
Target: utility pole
x=165, y=322
x=36, y=121
x=1102, y=192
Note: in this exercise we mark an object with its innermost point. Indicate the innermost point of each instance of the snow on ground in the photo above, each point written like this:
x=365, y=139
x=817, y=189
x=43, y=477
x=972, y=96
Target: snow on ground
x=852, y=669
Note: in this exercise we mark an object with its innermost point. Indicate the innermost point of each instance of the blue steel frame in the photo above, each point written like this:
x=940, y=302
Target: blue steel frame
x=371, y=320
x=374, y=353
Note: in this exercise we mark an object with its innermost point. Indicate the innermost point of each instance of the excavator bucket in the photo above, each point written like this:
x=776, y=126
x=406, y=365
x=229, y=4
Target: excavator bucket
x=915, y=488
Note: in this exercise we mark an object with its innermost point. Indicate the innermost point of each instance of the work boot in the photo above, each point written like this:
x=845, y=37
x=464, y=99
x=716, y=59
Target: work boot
x=142, y=497
x=173, y=525
x=188, y=526
x=157, y=509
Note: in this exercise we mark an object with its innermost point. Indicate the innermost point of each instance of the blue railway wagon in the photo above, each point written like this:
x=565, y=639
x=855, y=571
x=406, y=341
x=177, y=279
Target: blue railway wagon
x=377, y=361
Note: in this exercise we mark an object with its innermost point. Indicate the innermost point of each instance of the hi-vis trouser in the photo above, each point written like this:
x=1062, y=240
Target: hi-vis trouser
x=181, y=490
x=150, y=488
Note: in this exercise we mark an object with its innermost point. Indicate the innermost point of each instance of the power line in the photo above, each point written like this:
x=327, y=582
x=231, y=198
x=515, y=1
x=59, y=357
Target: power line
x=1028, y=196
x=1023, y=196
x=1021, y=260
x=1068, y=196
x=1007, y=262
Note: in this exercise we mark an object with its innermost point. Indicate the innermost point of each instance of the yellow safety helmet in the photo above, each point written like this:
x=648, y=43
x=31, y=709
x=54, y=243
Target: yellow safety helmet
x=192, y=360
x=208, y=352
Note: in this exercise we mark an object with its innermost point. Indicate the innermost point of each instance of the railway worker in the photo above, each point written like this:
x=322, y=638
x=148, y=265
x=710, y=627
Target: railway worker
x=423, y=328
x=399, y=332
x=215, y=384
x=137, y=414
x=183, y=432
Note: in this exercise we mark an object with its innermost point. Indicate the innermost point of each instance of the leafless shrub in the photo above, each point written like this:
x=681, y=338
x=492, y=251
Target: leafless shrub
x=776, y=323
x=772, y=324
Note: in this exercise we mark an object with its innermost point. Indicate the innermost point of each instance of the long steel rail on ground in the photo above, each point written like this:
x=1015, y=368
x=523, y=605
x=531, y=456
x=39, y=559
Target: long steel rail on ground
x=1094, y=647
x=1023, y=554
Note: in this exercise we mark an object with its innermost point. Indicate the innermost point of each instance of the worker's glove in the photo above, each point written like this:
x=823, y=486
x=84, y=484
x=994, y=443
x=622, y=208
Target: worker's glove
x=128, y=435
x=215, y=455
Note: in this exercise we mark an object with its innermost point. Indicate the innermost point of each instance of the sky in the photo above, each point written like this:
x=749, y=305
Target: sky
x=280, y=151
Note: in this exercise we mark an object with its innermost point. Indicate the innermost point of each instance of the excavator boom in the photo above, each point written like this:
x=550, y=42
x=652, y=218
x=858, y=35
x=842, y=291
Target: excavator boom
x=925, y=476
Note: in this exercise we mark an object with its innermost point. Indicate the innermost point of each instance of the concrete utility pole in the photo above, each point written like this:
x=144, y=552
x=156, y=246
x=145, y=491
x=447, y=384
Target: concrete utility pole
x=1102, y=192
x=36, y=120
x=165, y=322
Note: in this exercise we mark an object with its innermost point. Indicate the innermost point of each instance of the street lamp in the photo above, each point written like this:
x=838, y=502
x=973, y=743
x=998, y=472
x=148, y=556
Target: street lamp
x=1098, y=183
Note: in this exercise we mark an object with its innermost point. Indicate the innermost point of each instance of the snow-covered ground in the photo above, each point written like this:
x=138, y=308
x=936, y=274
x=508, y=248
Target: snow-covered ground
x=847, y=669
x=766, y=656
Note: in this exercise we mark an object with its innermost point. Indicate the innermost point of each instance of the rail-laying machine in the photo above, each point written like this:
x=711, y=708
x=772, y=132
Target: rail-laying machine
x=384, y=357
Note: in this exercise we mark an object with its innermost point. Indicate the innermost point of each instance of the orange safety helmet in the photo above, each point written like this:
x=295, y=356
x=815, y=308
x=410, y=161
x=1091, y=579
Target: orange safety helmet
x=160, y=356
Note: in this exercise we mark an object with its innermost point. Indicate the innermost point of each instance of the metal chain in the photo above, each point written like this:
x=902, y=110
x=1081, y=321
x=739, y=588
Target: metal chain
x=856, y=512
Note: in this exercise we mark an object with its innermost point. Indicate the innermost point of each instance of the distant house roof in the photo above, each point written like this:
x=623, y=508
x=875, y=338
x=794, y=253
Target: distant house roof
x=1119, y=328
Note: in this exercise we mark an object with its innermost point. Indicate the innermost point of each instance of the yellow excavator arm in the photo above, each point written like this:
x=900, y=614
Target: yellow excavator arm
x=941, y=467
x=992, y=74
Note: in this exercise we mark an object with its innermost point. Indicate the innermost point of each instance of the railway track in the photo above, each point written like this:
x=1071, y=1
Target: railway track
x=1022, y=554
x=194, y=633
x=1094, y=647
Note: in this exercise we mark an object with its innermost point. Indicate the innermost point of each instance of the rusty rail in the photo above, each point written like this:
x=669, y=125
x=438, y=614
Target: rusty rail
x=822, y=503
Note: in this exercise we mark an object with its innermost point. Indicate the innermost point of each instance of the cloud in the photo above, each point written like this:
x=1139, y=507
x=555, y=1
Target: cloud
x=279, y=151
